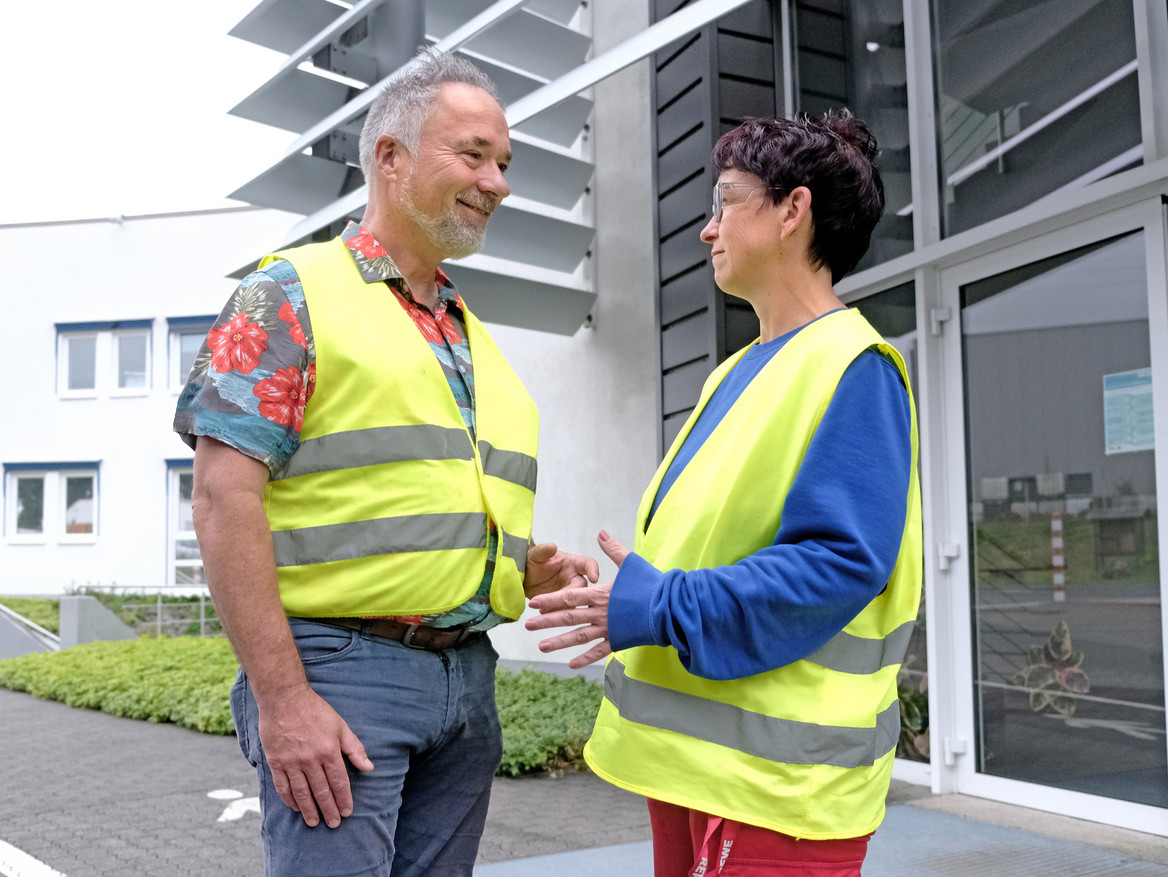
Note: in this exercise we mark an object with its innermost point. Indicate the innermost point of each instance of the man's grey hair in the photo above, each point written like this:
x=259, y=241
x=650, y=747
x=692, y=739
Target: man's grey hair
x=408, y=99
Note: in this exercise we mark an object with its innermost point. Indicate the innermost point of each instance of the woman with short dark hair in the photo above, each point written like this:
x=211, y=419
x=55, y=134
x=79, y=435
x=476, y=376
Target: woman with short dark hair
x=760, y=621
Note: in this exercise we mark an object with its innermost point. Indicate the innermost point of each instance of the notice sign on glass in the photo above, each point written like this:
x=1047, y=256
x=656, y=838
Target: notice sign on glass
x=1127, y=411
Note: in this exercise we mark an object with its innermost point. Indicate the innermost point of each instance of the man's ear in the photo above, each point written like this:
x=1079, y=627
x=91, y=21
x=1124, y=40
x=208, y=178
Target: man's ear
x=389, y=157
x=796, y=210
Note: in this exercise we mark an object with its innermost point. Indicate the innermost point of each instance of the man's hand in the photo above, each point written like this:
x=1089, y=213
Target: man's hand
x=584, y=606
x=305, y=742
x=549, y=569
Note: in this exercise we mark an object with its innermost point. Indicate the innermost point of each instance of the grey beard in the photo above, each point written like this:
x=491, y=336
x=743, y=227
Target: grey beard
x=455, y=235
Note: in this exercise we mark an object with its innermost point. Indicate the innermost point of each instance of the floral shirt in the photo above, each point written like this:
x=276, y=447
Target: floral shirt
x=257, y=370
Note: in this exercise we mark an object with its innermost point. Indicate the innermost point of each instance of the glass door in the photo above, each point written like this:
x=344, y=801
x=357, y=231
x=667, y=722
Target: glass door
x=1065, y=610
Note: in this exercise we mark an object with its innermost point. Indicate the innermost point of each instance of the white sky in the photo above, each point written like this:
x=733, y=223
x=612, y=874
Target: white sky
x=112, y=107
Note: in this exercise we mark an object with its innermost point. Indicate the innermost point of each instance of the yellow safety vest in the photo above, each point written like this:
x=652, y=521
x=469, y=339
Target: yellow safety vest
x=385, y=507
x=805, y=749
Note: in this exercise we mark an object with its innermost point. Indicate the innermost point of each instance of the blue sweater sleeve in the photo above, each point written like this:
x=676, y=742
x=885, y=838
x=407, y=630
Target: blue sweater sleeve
x=834, y=551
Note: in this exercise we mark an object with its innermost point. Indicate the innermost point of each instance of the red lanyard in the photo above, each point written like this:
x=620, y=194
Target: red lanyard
x=729, y=831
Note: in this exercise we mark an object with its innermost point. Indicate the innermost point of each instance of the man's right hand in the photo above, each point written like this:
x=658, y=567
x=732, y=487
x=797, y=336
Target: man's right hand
x=305, y=743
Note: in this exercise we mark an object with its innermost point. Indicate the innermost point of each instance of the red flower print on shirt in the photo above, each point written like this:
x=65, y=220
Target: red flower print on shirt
x=295, y=331
x=426, y=323
x=448, y=326
x=365, y=244
x=282, y=397
x=310, y=382
x=237, y=345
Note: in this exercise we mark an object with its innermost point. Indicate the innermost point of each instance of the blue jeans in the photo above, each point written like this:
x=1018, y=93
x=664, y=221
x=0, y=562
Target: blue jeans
x=429, y=725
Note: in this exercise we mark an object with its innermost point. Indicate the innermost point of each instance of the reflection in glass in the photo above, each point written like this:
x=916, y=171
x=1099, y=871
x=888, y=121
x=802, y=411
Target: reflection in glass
x=30, y=505
x=893, y=314
x=131, y=361
x=850, y=54
x=1065, y=569
x=1013, y=124
x=79, y=512
x=186, y=520
x=82, y=362
x=189, y=345
x=189, y=575
x=188, y=564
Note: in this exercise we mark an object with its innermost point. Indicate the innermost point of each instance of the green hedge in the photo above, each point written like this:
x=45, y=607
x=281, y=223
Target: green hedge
x=41, y=611
x=183, y=680
x=546, y=719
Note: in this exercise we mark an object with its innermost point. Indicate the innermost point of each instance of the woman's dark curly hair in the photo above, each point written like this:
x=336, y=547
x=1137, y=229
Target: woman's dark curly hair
x=833, y=155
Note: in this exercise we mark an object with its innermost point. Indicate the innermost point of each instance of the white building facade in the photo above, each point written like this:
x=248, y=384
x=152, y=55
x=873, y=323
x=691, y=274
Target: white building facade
x=1021, y=267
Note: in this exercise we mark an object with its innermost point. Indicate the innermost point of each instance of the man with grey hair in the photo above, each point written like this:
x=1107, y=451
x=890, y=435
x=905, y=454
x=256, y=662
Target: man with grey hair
x=363, y=497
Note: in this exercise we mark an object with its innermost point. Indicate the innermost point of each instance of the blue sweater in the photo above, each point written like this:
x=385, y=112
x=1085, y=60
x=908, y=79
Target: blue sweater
x=836, y=548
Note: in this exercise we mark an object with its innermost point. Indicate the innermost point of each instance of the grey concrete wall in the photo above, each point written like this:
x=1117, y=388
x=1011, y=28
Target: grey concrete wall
x=597, y=390
x=85, y=620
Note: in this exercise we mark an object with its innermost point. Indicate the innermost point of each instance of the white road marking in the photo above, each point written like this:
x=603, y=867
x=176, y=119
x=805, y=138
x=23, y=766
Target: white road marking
x=238, y=808
x=18, y=863
x=225, y=794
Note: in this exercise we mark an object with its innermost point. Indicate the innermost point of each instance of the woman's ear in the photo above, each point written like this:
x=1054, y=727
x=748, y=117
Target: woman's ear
x=796, y=211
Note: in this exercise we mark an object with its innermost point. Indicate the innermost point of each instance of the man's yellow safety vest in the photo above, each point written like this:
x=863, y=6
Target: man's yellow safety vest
x=386, y=505
x=804, y=749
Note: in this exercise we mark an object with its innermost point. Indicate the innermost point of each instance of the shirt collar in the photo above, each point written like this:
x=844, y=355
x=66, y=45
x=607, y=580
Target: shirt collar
x=376, y=265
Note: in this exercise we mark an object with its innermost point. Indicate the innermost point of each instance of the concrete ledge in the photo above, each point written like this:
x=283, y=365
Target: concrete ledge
x=84, y=620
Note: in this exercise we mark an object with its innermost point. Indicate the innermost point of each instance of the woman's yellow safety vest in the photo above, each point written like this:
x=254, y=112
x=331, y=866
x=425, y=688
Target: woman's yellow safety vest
x=385, y=507
x=805, y=749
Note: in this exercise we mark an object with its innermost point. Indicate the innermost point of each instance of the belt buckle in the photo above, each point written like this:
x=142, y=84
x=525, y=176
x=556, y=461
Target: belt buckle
x=407, y=639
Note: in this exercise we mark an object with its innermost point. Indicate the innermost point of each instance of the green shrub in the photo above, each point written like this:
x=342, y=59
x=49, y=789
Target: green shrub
x=185, y=681
x=546, y=719
x=41, y=611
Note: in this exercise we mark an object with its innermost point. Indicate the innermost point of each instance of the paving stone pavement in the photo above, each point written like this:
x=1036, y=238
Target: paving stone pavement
x=93, y=795
x=90, y=795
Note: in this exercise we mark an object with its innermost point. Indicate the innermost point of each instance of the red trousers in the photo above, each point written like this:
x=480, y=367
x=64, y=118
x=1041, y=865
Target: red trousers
x=690, y=843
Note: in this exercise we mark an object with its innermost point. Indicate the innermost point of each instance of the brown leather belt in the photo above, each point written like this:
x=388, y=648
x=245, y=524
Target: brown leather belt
x=412, y=636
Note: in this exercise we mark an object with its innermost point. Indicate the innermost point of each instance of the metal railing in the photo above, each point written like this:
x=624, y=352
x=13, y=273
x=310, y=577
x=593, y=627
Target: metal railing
x=50, y=640
x=157, y=615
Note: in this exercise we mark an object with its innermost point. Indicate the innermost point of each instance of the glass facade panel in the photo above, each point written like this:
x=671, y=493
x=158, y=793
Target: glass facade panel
x=1065, y=574
x=1032, y=98
x=893, y=314
x=850, y=53
x=81, y=353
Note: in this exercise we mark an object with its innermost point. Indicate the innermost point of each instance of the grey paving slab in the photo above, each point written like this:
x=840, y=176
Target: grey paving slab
x=87, y=793
x=922, y=841
x=91, y=795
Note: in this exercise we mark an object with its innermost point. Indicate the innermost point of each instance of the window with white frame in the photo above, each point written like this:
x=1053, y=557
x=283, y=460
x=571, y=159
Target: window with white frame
x=78, y=357
x=131, y=367
x=111, y=358
x=50, y=502
x=187, y=335
x=185, y=559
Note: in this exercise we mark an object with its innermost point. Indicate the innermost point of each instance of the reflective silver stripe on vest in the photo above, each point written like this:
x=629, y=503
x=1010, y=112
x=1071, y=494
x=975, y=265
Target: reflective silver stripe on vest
x=861, y=656
x=381, y=444
x=443, y=532
x=513, y=547
x=779, y=740
x=509, y=465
